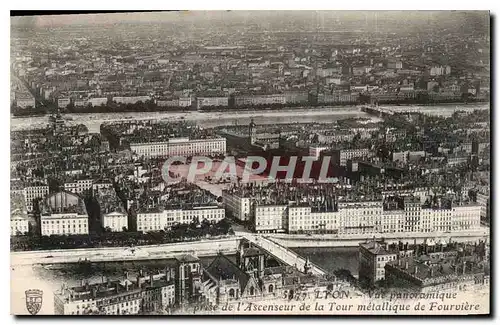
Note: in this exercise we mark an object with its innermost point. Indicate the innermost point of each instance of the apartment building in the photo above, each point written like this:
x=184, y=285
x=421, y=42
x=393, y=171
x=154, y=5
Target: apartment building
x=270, y=218
x=131, y=99
x=360, y=217
x=154, y=292
x=250, y=100
x=364, y=218
x=211, y=102
x=374, y=255
x=79, y=186
x=115, y=221
x=34, y=192
x=347, y=154
x=483, y=199
x=236, y=204
x=63, y=102
x=19, y=225
x=98, y=101
x=165, y=219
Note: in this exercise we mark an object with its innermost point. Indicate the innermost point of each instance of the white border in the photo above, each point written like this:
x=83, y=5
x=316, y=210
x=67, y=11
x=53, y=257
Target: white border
x=199, y=5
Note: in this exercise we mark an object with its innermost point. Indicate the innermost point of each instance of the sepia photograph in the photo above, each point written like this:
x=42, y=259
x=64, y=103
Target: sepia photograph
x=287, y=162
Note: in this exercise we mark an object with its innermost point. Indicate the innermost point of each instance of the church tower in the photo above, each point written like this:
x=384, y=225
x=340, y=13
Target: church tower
x=251, y=260
x=188, y=278
x=307, y=266
x=252, y=131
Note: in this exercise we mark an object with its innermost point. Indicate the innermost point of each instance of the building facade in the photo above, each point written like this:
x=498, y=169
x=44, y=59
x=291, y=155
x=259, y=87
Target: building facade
x=165, y=219
x=34, y=192
x=211, y=102
x=180, y=147
x=64, y=213
x=236, y=204
x=78, y=186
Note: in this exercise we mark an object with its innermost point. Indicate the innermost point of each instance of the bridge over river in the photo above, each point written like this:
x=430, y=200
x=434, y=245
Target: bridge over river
x=281, y=252
x=228, y=245
x=153, y=252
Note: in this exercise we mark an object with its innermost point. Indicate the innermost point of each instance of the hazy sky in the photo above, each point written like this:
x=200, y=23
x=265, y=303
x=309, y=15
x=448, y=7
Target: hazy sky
x=112, y=18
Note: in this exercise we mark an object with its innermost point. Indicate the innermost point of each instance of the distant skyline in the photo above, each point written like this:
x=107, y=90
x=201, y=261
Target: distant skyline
x=44, y=21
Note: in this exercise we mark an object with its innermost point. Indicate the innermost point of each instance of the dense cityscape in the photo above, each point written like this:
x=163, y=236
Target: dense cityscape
x=407, y=146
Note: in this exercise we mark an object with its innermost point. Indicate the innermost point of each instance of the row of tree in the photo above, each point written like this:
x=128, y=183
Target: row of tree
x=180, y=232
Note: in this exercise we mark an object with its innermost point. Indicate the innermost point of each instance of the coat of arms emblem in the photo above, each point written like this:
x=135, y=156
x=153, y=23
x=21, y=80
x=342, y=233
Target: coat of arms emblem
x=34, y=300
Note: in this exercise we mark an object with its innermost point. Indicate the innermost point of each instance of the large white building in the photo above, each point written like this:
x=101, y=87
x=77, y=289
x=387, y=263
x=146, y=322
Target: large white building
x=185, y=102
x=115, y=221
x=64, y=213
x=24, y=102
x=165, y=219
x=98, y=101
x=18, y=225
x=250, y=100
x=113, y=215
x=347, y=154
x=180, y=147
x=211, y=101
x=19, y=222
x=187, y=147
x=131, y=99
x=270, y=218
x=63, y=102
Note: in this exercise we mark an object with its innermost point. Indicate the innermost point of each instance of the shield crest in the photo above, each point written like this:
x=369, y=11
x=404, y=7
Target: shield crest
x=34, y=300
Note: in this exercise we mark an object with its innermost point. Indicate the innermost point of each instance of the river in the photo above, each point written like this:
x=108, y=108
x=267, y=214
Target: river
x=332, y=258
x=241, y=117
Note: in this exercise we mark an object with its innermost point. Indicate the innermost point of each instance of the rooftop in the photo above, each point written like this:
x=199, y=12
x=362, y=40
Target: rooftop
x=187, y=258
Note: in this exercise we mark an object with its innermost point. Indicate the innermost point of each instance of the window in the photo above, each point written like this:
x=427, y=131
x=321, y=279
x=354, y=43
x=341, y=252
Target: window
x=252, y=291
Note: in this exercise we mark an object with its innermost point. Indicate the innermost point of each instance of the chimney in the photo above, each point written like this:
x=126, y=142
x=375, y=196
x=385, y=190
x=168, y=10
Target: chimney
x=416, y=269
x=126, y=275
x=83, y=283
x=138, y=281
x=141, y=273
x=151, y=280
x=463, y=267
x=94, y=292
x=126, y=285
x=117, y=287
x=406, y=265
